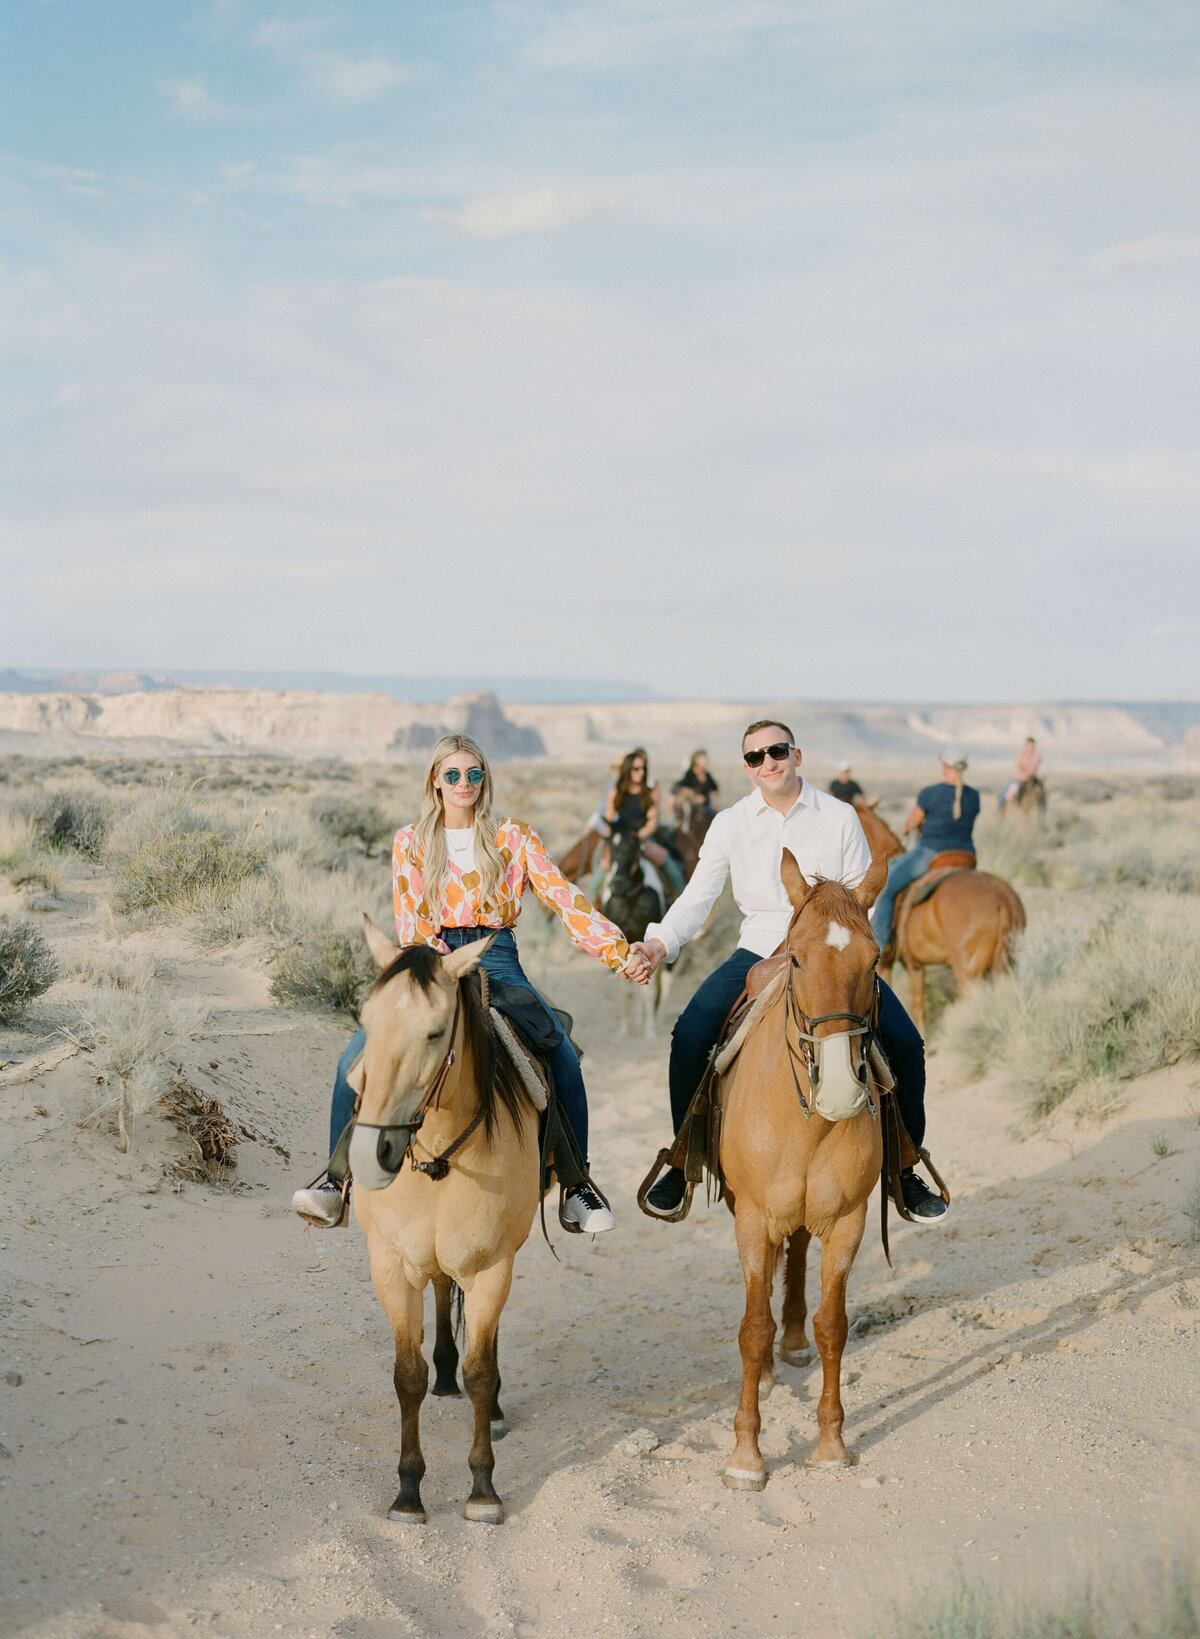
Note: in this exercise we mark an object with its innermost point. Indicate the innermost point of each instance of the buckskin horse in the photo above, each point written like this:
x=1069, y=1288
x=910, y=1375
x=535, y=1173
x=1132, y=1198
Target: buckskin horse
x=801, y=1147
x=444, y=1154
x=967, y=923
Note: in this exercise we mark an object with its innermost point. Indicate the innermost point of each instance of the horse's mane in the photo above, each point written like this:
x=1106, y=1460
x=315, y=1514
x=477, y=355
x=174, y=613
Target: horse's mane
x=496, y=1079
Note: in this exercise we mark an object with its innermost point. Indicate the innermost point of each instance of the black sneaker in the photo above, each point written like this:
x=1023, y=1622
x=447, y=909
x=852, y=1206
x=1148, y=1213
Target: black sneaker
x=667, y=1195
x=925, y=1206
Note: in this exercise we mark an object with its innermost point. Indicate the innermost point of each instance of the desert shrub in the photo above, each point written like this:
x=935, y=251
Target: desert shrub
x=345, y=820
x=70, y=819
x=123, y=970
x=327, y=969
x=1085, y=1005
x=1160, y=1601
x=1144, y=849
x=204, y=1122
x=169, y=858
x=28, y=967
x=22, y=860
x=130, y=1033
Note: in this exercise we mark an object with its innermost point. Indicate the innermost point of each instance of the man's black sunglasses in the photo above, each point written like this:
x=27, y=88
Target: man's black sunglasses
x=778, y=752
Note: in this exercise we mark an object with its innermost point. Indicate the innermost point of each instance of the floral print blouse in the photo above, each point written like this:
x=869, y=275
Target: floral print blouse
x=529, y=865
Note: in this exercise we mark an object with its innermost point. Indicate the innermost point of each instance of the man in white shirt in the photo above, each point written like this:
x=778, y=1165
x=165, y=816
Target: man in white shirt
x=747, y=842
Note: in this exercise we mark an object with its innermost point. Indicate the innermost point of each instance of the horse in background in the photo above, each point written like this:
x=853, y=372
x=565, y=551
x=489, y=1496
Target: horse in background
x=693, y=816
x=631, y=901
x=1027, y=802
x=968, y=923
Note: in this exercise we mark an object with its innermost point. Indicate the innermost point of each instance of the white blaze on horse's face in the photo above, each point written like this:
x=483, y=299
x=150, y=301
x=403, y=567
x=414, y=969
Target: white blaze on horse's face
x=838, y=936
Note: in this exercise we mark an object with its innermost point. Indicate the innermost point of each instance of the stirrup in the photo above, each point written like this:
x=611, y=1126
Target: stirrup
x=342, y=1217
x=662, y=1162
x=572, y=1228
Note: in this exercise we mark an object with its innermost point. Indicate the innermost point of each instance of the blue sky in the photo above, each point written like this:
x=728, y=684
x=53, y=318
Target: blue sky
x=740, y=347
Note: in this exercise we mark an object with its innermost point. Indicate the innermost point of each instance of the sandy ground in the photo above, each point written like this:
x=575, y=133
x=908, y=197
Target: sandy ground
x=199, y=1433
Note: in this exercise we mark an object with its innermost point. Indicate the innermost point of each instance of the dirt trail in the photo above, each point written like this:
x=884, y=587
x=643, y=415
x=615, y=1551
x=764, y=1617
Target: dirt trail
x=203, y=1438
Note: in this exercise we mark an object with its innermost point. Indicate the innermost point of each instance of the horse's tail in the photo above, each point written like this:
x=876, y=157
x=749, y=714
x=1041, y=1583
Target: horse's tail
x=1010, y=921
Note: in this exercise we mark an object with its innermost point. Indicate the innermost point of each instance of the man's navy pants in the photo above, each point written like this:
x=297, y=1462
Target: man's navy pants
x=698, y=1026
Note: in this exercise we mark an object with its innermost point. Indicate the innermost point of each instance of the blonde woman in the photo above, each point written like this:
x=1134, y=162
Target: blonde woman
x=458, y=875
x=943, y=817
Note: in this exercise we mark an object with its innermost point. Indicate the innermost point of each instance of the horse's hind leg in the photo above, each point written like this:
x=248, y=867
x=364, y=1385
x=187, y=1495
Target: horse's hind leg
x=405, y=1309
x=830, y=1329
x=445, y=1349
x=746, y=1470
x=481, y=1378
x=794, y=1347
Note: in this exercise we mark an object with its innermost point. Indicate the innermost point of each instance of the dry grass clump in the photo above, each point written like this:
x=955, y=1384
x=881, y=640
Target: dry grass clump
x=1085, y=1006
x=122, y=970
x=129, y=1034
x=1158, y=1602
x=170, y=859
x=22, y=860
x=327, y=969
x=28, y=967
x=202, y=1120
x=1136, y=841
x=70, y=819
x=345, y=819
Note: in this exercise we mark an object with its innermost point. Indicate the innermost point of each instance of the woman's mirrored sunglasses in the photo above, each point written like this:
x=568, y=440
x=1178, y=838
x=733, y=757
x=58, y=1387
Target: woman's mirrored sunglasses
x=779, y=751
x=453, y=775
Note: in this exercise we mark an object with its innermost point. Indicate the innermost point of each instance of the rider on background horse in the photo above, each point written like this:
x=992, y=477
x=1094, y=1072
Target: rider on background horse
x=698, y=782
x=458, y=876
x=944, y=815
x=631, y=805
x=826, y=839
x=845, y=788
x=1029, y=762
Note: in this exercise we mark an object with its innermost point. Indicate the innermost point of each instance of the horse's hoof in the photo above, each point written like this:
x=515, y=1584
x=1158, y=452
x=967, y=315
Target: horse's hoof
x=485, y=1513
x=834, y=1464
x=797, y=1357
x=499, y=1427
x=746, y=1479
x=406, y=1516
x=445, y=1389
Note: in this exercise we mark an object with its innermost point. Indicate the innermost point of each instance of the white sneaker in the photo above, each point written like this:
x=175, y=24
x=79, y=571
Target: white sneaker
x=321, y=1205
x=583, y=1210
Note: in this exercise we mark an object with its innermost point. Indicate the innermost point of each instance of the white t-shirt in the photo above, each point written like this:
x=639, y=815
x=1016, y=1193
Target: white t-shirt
x=460, y=847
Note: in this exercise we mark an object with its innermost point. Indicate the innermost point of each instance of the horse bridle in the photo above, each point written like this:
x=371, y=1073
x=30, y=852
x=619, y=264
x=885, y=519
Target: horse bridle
x=809, y=1051
x=439, y=1165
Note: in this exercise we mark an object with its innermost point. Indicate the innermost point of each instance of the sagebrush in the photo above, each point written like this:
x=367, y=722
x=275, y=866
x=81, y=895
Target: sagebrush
x=28, y=967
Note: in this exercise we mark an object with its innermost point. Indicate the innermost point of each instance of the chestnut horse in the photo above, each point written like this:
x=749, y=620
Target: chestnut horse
x=458, y=1206
x=968, y=924
x=789, y=1169
x=693, y=816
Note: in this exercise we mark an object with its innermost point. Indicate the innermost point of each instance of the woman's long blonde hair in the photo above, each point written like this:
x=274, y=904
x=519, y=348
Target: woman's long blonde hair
x=430, y=830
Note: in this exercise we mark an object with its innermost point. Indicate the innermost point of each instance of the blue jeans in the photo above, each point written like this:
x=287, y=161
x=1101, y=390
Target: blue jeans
x=502, y=962
x=699, y=1025
x=902, y=870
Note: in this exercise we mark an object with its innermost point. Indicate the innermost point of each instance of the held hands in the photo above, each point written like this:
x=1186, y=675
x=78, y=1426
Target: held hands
x=644, y=958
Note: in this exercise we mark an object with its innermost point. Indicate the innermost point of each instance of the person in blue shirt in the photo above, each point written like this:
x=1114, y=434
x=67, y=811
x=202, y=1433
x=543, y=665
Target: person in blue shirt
x=944, y=816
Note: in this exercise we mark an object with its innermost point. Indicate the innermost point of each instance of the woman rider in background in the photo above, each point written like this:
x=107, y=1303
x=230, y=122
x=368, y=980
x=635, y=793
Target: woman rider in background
x=632, y=805
x=944, y=817
x=458, y=875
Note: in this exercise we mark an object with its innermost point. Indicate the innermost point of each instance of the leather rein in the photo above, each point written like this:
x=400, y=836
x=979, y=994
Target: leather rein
x=438, y=1166
x=804, y=1029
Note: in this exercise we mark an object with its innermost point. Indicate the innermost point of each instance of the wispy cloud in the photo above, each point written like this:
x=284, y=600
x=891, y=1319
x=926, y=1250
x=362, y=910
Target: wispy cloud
x=1157, y=252
x=189, y=95
x=502, y=215
x=336, y=75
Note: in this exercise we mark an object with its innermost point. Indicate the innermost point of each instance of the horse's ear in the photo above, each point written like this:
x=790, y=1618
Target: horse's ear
x=381, y=947
x=465, y=959
x=871, y=886
x=793, y=881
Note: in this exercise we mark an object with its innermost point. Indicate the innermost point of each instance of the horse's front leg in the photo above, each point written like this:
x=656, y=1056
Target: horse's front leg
x=830, y=1329
x=746, y=1470
x=485, y=1299
x=916, y=992
x=445, y=1349
x=405, y=1308
x=794, y=1347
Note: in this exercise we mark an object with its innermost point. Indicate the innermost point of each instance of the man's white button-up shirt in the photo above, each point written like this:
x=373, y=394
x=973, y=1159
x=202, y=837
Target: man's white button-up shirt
x=747, y=842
